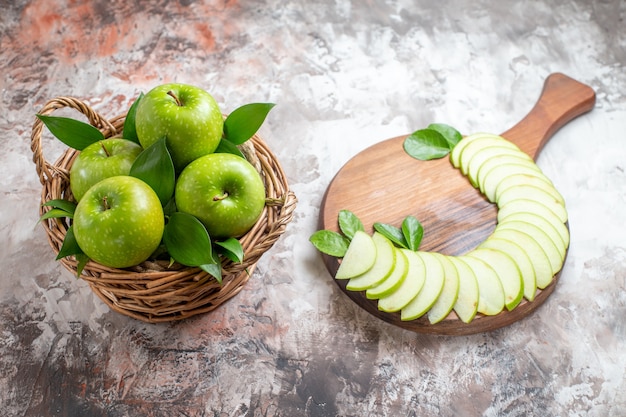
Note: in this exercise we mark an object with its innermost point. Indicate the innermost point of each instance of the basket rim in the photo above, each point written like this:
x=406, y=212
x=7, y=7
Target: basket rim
x=136, y=291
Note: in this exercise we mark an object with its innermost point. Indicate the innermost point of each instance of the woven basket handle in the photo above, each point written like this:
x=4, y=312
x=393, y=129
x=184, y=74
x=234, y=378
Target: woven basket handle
x=44, y=168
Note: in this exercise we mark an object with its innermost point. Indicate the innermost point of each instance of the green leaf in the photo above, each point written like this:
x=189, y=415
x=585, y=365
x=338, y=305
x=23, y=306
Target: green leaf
x=56, y=214
x=330, y=243
x=69, y=246
x=232, y=249
x=214, y=270
x=226, y=146
x=82, y=261
x=65, y=205
x=73, y=133
x=392, y=233
x=349, y=223
x=450, y=134
x=187, y=240
x=130, y=130
x=243, y=122
x=154, y=166
x=413, y=231
x=426, y=144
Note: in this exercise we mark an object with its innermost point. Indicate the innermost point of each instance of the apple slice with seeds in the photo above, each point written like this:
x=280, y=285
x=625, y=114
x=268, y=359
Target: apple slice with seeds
x=521, y=259
x=385, y=261
x=393, y=281
x=431, y=290
x=359, y=257
x=507, y=271
x=449, y=294
x=466, y=305
x=410, y=286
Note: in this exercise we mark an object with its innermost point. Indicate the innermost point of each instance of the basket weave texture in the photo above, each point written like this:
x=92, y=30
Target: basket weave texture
x=155, y=291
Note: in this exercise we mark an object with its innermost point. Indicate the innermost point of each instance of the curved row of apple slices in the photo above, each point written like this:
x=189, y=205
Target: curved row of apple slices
x=523, y=254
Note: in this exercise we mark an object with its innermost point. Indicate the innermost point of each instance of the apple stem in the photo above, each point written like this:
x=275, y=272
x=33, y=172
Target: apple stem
x=171, y=94
x=104, y=148
x=105, y=203
x=220, y=197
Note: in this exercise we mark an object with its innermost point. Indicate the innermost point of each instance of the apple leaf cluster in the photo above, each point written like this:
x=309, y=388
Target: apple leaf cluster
x=523, y=254
x=114, y=179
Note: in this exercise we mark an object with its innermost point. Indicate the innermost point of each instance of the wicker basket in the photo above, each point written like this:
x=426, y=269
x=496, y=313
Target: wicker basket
x=155, y=291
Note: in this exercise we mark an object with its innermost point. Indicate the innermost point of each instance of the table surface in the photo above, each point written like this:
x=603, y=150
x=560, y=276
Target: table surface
x=345, y=75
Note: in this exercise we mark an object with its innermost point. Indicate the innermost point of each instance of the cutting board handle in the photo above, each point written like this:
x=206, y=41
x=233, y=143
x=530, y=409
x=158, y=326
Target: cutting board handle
x=562, y=100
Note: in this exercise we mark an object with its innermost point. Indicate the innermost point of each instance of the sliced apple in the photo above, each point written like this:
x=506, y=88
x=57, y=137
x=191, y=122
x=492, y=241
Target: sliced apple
x=539, y=236
x=385, y=261
x=507, y=271
x=410, y=286
x=393, y=281
x=359, y=257
x=466, y=304
x=455, y=154
x=431, y=290
x=547, y=226
x=523, y=179
x=480, y=145
x=534, y=207
x=508, y=159
x=490, y=291
x=479, y=158
x=449, y=293
x=521, y=259
x=497, y=174
x=530, y=192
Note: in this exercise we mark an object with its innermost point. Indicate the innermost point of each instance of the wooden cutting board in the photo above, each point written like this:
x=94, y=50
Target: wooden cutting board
x=384, y=184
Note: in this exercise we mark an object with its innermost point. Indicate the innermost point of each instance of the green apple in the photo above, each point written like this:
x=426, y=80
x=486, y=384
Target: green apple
x=410, y=286
x=522, y=179
x=393, y=281
x=481, y=149
x=224, y=191
x=119, y=222
x=519, y=158
x=187, y=116
x=530, y=192
x=359, y=258
x=521, y=259
x=481, y=156
x=431, y=290
x=385, y=260
x=497, y=174
x=521, y=206
x=455, y=154
x=490, y=290
x=449, y=293
x=507, y=271
x=466, y=305
x=100, y=160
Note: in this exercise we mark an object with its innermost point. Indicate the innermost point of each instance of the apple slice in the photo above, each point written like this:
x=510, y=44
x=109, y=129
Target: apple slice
x=431, y=290
x=507, y=271
x=519, y=159
x=359, y=257
x=490, y=290
x=449, y=293
x=522, y=179
x=539, y=236
x=385, y=261
x=479, y=145
x=541, y=263
x=483, y=155
x=534, y=207
x=455, y=154
x=393, y=281
x=530, y=192
x=546, y=225
x=410, y=286
x=498, y=174
x=521, y=259
x=466, y=304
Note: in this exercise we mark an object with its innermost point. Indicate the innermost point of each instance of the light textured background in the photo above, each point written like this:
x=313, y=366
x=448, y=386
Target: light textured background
x=345, y=75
